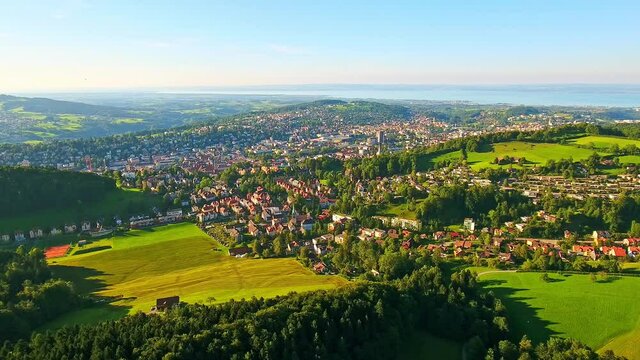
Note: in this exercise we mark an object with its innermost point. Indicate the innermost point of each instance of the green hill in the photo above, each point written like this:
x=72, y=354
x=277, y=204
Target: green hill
x=602, y=314
x=44, y=198
x=142, y=265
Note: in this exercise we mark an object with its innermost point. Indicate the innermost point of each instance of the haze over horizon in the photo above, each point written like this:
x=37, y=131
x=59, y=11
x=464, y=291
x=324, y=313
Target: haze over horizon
x=92, y=45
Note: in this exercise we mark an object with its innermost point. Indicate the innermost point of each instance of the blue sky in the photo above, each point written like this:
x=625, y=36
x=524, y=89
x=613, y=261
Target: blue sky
x=81, y=44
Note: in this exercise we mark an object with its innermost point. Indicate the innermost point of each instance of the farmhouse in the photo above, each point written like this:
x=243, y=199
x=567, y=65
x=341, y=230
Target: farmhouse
x=239, y=251
x=164, y=304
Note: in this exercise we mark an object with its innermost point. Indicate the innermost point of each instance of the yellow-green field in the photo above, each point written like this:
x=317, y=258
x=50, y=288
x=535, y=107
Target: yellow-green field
x=603, y=142
x=602, y=314
x=534, y=153
x=144, y=265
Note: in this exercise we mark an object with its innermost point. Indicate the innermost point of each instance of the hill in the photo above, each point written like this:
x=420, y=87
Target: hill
x=602, y=314
x=32, y=120
x=142, y=265
x=44, y=198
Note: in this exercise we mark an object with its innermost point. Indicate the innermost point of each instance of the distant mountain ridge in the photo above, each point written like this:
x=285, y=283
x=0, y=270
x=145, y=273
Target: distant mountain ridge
x=50, y=106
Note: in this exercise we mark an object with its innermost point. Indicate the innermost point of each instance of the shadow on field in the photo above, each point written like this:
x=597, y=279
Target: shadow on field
x=95, y=308
x=522, y=316
x=85, y=280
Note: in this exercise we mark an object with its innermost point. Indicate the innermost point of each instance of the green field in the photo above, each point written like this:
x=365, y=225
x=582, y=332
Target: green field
x=534, y=153
x=128, y=121
x=604, y=142
x=400, y=210
x=117, y=202
x=603, y=315
x=143, y=265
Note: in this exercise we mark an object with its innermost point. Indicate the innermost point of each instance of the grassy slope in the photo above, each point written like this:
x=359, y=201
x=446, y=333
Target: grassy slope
x=175, y=260
x=572, y=306
x=603, y=142
x=116, y=202
x=535, y=153
x=400, y=210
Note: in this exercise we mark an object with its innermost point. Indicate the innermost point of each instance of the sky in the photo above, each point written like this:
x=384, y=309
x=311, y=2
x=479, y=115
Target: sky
x=131, y=44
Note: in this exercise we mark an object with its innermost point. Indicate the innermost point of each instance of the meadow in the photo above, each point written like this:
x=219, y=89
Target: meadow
x=135, y=269
x=400, y=210
x=604, y=142
x=534, y=153
x=602, y=314
x=120, y=202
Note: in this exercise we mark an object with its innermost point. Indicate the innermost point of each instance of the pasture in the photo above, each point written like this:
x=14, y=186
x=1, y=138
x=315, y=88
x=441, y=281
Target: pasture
x=400, y=210
x=135, y=269
x=604, y=142
x=534, y=153
x=602, y=314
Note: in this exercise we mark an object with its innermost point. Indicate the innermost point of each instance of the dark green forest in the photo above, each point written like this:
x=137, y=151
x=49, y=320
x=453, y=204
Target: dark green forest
x=29, y=296
x=30, y=189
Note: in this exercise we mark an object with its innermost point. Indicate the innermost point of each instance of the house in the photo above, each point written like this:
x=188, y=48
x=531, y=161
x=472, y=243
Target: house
x=505, y=258
x=469, y=224
x=617, y=252
x=320, y=267
x=163, y=304
x=600, y=237
x=35, y=233
x=240, y=251
x=306, y=225
x=69, y=229
x=137, y=222
x=439, y=235
x=235, y=234
x=293, y=247
x=464, y=244
x=582, y=250
x=253, y=229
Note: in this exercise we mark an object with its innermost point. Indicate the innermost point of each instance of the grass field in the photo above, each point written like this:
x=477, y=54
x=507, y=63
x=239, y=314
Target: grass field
x=128, y=121
x=400, y=210
x=421, y=345
x=604, y=142
x=535, y=154
x=602, y=314
x=119, y=202
x=144, y=265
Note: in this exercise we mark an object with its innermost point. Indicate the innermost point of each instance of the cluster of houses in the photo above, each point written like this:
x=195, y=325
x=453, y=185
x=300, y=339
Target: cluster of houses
x=251, y=204
x=307, y=191
x=86, y=227
x=601, y=186
x=142, y=221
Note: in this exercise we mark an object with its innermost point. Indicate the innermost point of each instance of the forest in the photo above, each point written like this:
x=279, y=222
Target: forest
x=29, y=296
x=31, y=189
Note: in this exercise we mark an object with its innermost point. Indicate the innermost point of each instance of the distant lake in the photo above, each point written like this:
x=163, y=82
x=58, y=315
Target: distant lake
x=584, y=95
